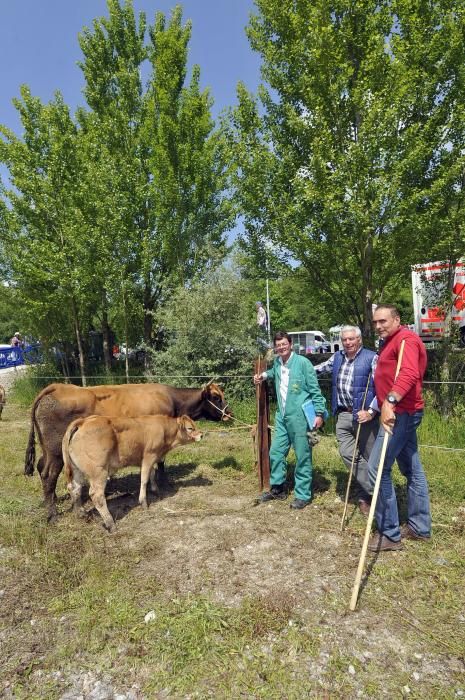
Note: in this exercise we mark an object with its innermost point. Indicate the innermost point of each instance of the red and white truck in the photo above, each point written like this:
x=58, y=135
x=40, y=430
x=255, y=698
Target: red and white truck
x=428, y=283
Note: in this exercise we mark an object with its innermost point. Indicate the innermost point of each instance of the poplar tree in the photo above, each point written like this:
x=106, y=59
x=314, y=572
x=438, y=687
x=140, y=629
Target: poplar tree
x=109, y=211
x=160, y=159
x=47, y=255
x=341, y=155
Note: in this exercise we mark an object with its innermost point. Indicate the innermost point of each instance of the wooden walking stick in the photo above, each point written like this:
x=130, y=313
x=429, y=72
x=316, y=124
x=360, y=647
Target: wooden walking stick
x=346, y=502
x=361, y=563
x=262, y=436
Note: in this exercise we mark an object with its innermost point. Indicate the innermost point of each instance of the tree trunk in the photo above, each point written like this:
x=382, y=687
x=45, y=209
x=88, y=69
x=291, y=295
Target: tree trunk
x=148, y=313
x=64, y=364
x=445, y=394
x=367, y=290
x=82, y=364
x=106, y=332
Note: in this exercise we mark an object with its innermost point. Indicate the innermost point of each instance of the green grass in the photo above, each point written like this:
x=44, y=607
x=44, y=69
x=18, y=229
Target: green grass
x=74, y=598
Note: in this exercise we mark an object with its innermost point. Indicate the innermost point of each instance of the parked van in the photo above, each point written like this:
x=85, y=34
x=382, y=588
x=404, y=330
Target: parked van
x=308, y=342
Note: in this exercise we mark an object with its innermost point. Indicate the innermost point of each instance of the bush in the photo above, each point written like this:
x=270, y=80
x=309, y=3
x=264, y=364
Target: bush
x=211, y=334
x=34, y=379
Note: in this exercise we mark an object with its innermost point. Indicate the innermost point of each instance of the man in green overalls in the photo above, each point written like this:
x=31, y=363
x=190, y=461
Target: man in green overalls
x=295, y=381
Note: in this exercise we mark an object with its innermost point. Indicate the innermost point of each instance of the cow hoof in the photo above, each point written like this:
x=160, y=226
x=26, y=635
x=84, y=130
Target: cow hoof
x=110, y=527
x=52, y=518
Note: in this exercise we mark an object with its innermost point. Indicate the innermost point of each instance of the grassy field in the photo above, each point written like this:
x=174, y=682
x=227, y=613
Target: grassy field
x=206, y=595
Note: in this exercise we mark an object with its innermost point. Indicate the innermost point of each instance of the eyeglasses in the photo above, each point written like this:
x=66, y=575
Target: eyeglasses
x=282, y=347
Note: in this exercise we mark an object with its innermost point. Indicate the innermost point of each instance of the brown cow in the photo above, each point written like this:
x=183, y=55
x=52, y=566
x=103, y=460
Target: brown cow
x=94, y=448
x=59, y=404
x=2, y=399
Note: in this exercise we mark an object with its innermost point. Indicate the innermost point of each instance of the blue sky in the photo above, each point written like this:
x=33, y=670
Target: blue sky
x=39, y=47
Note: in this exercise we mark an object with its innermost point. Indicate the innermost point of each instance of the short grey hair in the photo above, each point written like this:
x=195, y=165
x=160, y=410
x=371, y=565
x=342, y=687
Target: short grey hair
x=350, y=329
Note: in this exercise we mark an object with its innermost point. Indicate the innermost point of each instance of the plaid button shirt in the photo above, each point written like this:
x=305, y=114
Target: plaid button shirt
x=345, y=377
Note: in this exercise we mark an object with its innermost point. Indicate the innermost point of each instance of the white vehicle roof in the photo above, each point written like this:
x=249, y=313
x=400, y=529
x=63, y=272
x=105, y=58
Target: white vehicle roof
x=310, y=332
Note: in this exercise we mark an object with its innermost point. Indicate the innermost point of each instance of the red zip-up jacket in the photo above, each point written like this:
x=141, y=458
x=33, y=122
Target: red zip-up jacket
x=409, y=380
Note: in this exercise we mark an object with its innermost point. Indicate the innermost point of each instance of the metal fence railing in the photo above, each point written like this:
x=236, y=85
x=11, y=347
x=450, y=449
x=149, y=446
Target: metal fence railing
x=14, y=356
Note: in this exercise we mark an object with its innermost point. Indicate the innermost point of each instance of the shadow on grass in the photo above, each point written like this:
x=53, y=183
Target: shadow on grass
x=227, y=463
x=367, y=573
x=320, y=483
x=342, y=477
x=122, y=492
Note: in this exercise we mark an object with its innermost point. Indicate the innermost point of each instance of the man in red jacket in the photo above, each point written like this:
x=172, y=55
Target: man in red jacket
x=401, y=404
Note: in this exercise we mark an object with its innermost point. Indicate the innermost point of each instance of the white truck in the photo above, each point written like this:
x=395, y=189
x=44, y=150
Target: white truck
x=428, y=282
x=308, y=342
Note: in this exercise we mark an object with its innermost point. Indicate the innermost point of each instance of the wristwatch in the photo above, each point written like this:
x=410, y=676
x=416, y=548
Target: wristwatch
x=371, y=411
x=392, y=400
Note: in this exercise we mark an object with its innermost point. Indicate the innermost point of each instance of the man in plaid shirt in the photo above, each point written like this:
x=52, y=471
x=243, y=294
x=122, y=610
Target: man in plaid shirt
x=352, y=369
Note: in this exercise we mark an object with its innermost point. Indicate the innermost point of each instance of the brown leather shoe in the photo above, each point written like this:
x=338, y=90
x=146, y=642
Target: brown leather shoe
x=381, y=543
x=408, y=533
x=364, y=507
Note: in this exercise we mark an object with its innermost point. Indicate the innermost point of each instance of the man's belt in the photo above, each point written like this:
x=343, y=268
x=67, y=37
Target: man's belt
x=344, y=410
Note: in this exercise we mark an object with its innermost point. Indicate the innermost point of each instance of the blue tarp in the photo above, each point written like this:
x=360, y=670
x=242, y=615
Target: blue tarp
x=12, y=357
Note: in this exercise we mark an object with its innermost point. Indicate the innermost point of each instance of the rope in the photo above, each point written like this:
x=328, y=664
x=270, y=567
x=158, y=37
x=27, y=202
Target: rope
x=229, y=430
x=442, y=447
x=430, y=381
x=196, y=376
x=221, y=410
x=147, y=376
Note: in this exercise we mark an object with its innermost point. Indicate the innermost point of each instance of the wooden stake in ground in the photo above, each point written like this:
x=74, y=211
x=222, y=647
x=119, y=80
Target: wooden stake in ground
x=263, y=434
x=346, y=502
x=361, y=563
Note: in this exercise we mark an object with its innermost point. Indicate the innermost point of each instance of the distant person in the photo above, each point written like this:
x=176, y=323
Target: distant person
x=401, y=402
x=262, y=317
x=352, y=369
x=295, y=382
x=16, y=341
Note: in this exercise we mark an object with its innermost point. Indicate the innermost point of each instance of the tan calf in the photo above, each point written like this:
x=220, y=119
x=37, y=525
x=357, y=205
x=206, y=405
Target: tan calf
x=95, y=447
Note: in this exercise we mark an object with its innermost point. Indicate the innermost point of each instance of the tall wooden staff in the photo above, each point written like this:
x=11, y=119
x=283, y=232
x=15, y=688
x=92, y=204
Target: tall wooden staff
x=346, y=502
x=263, y=435
x=361, y=563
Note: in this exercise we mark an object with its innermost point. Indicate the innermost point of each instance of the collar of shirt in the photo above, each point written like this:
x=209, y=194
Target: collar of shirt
x=351, y=359
x=285, y=364
x=284, y=382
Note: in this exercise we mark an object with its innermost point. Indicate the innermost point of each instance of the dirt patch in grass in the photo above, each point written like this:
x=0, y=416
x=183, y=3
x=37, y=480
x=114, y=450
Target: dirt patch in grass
x=207, y=595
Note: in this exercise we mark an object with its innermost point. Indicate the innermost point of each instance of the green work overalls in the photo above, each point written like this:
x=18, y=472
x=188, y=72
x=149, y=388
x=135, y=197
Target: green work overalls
x=291, y=425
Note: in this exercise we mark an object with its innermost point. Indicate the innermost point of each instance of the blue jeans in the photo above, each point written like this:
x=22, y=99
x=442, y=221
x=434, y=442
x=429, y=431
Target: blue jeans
x=403, y=447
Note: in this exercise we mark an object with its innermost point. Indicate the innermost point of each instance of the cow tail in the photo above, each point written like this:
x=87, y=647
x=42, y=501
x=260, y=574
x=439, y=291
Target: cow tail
x=67, y=461
x=30, y=456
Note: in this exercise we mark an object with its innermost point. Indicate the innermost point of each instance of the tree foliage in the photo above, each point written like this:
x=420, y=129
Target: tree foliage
x=107, y=212
x=352, y=163
x=211, y=332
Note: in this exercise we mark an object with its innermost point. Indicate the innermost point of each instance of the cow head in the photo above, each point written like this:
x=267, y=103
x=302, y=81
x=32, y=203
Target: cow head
x=214, y=404
x=187, y=430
